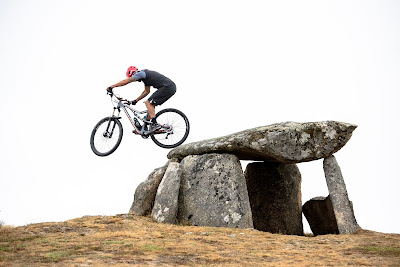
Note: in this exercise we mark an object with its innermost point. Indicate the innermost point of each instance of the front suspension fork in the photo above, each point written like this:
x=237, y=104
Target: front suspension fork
x=108, y=133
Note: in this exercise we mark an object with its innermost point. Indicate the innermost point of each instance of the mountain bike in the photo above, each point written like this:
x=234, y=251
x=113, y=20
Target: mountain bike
x=107, y=134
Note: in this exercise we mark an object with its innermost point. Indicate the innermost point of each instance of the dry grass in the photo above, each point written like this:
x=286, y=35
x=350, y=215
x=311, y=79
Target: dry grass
x=125, y=239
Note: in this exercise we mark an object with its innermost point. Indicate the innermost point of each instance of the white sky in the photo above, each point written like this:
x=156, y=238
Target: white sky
x=237, y=65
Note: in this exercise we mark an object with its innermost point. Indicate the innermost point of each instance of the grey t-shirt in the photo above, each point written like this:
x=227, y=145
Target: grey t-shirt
x=139, y=75
x=152, y=78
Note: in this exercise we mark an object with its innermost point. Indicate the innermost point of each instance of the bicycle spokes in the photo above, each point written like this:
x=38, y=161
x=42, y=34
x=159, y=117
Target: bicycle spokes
x=175, y=128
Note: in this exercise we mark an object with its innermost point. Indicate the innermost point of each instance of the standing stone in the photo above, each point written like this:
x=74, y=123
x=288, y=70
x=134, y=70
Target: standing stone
x=344, y=214
x=166, y=203
x=275, y=197
x=146, y=192
x=213, y=192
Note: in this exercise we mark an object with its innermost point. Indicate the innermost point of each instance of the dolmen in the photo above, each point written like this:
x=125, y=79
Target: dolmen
x=203, y=183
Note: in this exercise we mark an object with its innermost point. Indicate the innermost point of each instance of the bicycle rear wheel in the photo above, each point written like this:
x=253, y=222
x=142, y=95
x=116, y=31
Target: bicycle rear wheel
x=106, y=136
x=175, y=128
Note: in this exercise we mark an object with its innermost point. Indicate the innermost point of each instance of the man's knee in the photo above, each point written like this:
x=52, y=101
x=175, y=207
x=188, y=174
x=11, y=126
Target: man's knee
x=147, y=103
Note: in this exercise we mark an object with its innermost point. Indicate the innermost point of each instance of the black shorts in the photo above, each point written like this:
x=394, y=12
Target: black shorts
x=162, y=94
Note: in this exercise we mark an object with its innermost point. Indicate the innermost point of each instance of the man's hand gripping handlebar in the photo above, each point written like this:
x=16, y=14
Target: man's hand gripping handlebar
x=110, y=91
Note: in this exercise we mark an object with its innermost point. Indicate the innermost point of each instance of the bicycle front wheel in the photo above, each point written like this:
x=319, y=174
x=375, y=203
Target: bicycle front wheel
x=106, y=136
x=175, y=128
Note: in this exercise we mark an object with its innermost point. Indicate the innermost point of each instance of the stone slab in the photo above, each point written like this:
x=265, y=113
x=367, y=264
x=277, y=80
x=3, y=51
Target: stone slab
x=320, y=216
x=287, y=142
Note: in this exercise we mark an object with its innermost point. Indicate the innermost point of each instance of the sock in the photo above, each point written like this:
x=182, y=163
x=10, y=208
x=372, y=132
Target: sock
x=153, y=120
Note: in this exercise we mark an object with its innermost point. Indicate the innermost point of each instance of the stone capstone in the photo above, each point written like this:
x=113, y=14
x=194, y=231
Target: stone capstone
x=166, y=202
x=344, y=215
x=275, y=197
x=213, y=192
x=287, y=142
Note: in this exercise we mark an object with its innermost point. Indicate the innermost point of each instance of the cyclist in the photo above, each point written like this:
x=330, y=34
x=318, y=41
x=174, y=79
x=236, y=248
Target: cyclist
x=165, y=89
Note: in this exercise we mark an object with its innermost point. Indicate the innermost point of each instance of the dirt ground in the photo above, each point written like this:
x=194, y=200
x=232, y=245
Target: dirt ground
x=132, y=240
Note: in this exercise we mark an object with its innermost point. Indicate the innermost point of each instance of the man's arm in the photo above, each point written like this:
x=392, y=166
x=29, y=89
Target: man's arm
x=145, y=93
x=123, y=82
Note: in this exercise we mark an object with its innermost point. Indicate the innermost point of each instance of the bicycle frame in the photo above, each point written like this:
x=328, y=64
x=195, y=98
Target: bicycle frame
x=124, y=107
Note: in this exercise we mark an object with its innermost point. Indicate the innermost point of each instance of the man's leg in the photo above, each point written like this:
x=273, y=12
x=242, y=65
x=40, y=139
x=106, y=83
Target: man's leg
x=151, y=109
x=158, y=98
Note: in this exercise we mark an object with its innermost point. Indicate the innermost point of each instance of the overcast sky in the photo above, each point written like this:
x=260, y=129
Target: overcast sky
x=237, y=65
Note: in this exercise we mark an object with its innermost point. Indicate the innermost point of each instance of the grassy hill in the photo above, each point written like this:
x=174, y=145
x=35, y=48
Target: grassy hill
x=125, y=239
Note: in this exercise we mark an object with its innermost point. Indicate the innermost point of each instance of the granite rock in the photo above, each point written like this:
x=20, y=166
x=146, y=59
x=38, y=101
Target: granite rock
x=166, y=202
x=213, y=192
x=320, y=216
x=287, y=142
x=146, y=192
x=275, y=197
x=341, y=205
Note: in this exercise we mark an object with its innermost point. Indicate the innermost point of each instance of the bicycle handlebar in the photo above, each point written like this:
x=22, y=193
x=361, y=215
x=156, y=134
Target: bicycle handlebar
x=111, y=94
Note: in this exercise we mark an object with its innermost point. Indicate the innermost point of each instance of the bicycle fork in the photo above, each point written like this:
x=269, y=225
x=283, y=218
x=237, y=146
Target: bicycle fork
x=107, y=133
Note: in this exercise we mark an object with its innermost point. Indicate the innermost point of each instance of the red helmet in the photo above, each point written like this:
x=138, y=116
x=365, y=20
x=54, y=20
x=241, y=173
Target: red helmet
x=131, y=70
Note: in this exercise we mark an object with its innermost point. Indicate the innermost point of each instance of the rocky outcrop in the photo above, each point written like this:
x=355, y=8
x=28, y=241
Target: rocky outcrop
x=344, y=214
x=213, y=192
x=166, y=202
x=275, y=197
x=205, y=185
x=287, y=142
